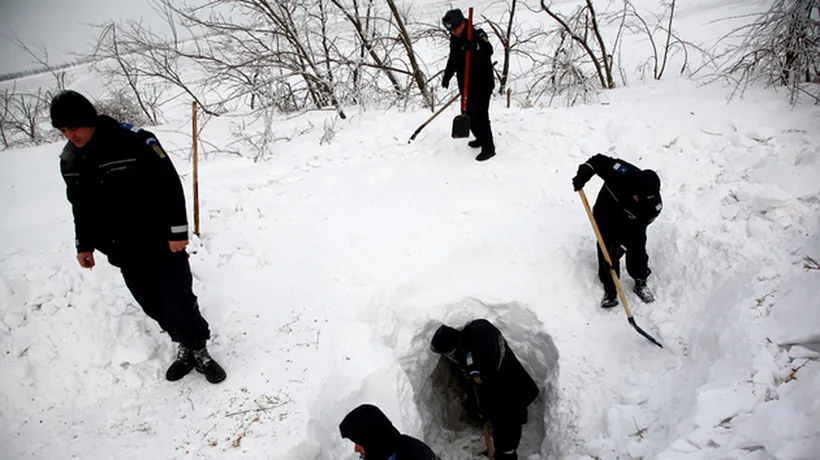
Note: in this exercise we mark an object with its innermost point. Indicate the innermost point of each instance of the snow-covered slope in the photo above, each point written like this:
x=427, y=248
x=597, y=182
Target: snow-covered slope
x=325, y=269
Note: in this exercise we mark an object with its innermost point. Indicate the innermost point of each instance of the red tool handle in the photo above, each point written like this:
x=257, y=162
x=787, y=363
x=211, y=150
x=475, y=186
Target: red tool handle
x=467, y=64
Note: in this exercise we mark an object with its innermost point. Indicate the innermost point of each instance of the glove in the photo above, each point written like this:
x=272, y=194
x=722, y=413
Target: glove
x=470, y=45
x=445, y=83
x=584, y=174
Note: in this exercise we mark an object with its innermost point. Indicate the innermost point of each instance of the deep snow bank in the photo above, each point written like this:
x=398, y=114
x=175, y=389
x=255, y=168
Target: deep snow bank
x=403, y=377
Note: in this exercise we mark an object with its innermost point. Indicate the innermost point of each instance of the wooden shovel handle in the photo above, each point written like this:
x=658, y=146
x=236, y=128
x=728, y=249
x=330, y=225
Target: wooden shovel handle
x=606, y=254
x=487, y=439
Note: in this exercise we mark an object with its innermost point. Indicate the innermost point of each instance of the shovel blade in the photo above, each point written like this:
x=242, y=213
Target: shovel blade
x=461, y=127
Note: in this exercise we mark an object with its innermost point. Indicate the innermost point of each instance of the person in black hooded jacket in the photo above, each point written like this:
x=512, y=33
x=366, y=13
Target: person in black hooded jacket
x=501, y=385
x=628, y=202
x=377, y=439
x=482, y=82
x=128, y=203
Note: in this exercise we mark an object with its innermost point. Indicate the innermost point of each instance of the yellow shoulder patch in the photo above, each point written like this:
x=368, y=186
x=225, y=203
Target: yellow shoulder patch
x=158, y=149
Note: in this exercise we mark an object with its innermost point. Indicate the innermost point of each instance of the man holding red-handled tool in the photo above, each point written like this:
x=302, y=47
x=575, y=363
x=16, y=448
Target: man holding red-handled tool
x=466, y=41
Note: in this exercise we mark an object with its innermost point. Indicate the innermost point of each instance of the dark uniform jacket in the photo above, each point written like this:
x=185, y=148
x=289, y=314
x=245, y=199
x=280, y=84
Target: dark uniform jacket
x=370, y=428
x=481, y=66
x=126, y=196
x=504, y=387
x=615, y=202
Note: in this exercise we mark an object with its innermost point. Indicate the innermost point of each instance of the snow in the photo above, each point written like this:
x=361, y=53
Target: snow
x=324, y=269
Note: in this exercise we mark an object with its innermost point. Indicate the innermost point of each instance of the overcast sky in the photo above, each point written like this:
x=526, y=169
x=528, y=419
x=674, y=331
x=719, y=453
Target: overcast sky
x=62, y=26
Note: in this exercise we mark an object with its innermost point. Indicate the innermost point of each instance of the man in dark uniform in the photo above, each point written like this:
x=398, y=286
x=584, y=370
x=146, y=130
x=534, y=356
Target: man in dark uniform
x=502, y=388
x=480, y=87
x=128, y=203
x=377, y=439
x=627, y=203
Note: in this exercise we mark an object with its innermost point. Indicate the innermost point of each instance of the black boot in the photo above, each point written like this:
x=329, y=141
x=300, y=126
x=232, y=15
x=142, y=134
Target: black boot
x=182, y=365
x=610, y=297
x=475, y=143
x=643, y=291
x=206, y=365
x=486, y=153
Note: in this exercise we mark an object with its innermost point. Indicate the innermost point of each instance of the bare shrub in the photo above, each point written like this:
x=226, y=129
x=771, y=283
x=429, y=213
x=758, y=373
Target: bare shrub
x=122, y=107
x=584, y=29
x=780, y=48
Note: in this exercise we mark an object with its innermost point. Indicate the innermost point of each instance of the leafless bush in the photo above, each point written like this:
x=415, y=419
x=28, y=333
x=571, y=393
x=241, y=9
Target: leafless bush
x=407, y=42
x=289, y=55
x=579, y=62
x=563, y=66
x=25, y=115
x=122, y=74
x=25, y=118
x=509, y=39
x=780, y=48
x=363, y=24
x=562, y=76
x=584, y=29
x=329, y=132
x=148, y=63
x=5, y=118
x=663, y=47
x=254, y=136
x=121, y=106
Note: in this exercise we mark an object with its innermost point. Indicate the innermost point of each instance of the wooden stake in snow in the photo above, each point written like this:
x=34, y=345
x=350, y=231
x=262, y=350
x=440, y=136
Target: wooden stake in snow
x=195, y=171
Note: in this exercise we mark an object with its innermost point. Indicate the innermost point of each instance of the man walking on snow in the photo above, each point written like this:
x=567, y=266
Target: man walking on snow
x=377, y=439
x=128, y=203
x=481, y=84
x=627, y=203
x=501, y=387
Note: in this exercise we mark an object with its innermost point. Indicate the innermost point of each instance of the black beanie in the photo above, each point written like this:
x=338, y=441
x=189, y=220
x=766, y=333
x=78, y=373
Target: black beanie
x=648, y=182
x=445, y=340
x=70, y=109
x=452, y=19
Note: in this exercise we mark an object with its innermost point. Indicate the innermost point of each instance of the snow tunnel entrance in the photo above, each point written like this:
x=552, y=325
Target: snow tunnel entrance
x=448, y=429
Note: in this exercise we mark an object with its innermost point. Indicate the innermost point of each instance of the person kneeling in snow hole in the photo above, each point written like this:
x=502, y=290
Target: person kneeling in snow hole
x=128, y=203
x=377, y=439
x=502, y=388
x=627, y=203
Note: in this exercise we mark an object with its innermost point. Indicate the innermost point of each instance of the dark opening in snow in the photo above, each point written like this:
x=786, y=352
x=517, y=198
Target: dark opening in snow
x=447, y=428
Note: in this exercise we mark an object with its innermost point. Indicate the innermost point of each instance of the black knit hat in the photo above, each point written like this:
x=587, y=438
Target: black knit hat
x=445, y=340
x=452, y=19
x=70, y=109
x=648, y=182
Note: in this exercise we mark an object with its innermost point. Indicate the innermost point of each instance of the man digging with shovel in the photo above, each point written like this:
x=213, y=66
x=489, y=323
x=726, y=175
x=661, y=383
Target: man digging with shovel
x=628, y=202
x=470, y=52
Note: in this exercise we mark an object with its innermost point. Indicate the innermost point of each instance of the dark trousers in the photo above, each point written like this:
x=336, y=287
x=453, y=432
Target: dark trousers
x=619, y=237
x=162, y=287
x=478, y=109
x=507, y=433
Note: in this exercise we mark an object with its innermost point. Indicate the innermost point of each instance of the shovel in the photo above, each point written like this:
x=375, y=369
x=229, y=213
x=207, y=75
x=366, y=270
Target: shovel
x=488, y=440
x=615, y=279
x=461, y=123
x=438, y=112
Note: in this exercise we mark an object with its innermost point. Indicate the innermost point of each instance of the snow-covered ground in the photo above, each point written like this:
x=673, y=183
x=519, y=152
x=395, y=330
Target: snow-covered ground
x=324, y=271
